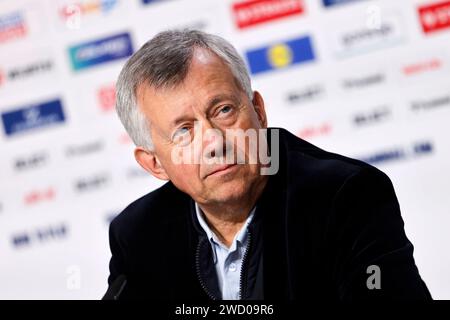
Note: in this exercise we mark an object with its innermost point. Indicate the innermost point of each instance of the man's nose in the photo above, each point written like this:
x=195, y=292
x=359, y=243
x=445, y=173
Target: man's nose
x=213, y=144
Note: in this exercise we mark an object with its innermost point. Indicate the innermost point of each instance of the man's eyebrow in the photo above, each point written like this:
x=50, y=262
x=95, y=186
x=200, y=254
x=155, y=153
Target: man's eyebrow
x=179, y=119
x=218, y=98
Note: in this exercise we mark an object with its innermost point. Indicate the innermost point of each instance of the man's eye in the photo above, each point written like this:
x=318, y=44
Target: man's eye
x=183, y=130
x=226, y=109
x=181, y=133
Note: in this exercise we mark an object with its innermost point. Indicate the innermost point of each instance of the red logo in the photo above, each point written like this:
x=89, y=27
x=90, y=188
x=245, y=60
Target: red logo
x=248, y=13
x=423, y=66
x=36, y=196
x=435, y=17
x=107, y=97
x=315, y=131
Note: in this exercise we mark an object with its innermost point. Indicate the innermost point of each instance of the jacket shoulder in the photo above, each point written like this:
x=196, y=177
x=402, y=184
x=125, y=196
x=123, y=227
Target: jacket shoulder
x=156, y=207
x=308, y=164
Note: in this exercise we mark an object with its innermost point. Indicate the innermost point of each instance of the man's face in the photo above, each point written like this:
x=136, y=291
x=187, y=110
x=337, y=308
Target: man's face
x=208, y=98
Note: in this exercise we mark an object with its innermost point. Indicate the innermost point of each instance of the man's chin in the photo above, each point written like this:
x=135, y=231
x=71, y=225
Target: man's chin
x=228, y=192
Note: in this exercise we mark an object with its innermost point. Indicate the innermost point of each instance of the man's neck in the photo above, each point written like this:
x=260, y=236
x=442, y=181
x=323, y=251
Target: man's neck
x=225, y=220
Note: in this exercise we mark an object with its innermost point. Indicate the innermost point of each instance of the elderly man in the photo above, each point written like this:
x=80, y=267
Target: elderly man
x=308, y=224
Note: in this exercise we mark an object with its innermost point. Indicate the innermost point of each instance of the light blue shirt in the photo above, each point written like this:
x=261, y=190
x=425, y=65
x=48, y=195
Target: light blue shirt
x=228, y=261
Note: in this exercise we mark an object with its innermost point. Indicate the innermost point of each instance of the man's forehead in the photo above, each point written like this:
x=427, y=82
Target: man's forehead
x=202, y=61
x=203, y=56
x=183, y=95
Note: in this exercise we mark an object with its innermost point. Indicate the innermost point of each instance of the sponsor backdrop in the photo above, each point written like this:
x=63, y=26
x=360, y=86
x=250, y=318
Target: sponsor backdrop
x=368, y=79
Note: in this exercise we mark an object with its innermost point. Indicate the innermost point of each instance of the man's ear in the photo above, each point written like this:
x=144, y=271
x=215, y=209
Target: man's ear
x=258, y=103
x=150, y=162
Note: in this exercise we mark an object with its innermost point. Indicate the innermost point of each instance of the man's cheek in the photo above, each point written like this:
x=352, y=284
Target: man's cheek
x=187, y=174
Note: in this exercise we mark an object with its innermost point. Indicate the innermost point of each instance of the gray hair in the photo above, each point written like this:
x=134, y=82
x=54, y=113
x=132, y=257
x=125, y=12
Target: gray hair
x=163, y=62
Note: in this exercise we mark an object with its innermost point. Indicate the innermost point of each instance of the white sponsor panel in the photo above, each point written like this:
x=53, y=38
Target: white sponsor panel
x=376, y=87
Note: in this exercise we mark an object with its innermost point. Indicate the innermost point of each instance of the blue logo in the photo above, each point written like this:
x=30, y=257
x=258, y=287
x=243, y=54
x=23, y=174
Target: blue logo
x=21, y=240
x=329, y=3
x=32, y=117
x=418, y=149
x=280, y=55
x=42, y=235
x=100, y=51
x=150, y=1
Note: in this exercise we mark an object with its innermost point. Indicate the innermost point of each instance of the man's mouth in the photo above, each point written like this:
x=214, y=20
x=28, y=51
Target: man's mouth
x=223, y=169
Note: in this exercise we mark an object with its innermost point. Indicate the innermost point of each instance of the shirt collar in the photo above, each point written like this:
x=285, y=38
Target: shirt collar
x=240, y=236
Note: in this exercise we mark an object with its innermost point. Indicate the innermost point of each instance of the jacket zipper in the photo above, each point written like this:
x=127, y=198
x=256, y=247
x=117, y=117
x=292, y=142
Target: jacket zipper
x=243, y=275
x=197, y=264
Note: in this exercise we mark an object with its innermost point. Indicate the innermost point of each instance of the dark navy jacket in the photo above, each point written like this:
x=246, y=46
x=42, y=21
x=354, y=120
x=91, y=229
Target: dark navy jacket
x=322, y=221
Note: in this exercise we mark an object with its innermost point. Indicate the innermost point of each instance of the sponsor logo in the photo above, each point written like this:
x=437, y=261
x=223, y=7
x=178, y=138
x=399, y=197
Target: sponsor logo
x=364, y=82
x=309, y=132
x=32, y=161
x=100, y=51
x=33, y=117
x=38, y=196
x=417, y=149
x=280, y=55
x=360, y=38
x=41, y=235
x=433, y=103
x=106, y=97
x=354, y=38
x=306, y=94
x=248, y=13
x=150, y=1
x=329, y=3
x=383, y=156
x=372, y=117
x=422, y=67
x=26, y=71
x=91, y=183
x=84, y=149
x=434, y=17
x=76, y=9
x=424, y=147
x=12, y=26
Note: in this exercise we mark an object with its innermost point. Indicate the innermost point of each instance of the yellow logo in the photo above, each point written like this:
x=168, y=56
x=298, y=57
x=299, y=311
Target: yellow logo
x=279, y=55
